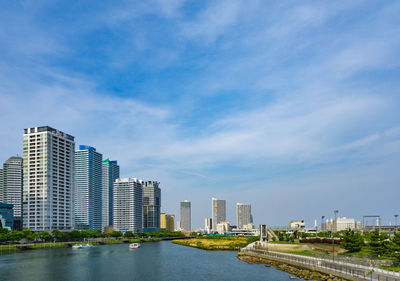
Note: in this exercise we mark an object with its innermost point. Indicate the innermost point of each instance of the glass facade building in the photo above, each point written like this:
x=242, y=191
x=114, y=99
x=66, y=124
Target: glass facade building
x=88, y=188
x=151, y=205
x=110, y=174
x=185, y=222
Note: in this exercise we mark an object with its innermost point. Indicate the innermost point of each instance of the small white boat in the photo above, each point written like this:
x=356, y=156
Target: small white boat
x=134, y=246
x=81, y=246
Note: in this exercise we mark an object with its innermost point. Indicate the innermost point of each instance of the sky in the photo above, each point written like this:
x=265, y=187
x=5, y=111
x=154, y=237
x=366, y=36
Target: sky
x=290, y=106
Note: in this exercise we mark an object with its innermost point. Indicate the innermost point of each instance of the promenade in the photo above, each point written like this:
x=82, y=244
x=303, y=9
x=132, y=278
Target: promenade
x=351, y=271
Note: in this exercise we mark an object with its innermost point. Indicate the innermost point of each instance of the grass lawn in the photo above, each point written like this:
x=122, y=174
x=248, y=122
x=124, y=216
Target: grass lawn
x=392, y=268
x=220, y=243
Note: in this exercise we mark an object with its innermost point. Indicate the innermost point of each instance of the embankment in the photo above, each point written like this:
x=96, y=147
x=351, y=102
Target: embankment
x=302, y=271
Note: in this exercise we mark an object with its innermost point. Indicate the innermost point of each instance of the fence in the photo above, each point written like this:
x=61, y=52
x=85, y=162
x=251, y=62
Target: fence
x=360, y=271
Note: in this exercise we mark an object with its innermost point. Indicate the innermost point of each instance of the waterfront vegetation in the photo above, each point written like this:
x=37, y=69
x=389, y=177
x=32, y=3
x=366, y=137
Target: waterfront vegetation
x=27, y=239
x=217, y=242
x=373, y=245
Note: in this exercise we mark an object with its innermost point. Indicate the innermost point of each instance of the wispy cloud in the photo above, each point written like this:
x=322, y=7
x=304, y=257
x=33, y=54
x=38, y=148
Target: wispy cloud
x=256, y=98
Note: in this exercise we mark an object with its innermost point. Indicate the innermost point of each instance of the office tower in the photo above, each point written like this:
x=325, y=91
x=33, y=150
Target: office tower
x=12, y=187
x=6, y=216
x=128, y=205
x=151, y=205
x=185, y=222
x=88, y=187
x=110, y=174
x=167, y=222
x=1, y=185
x=48, y=178
x=218, y=212
x=208, y=224
x=243, y=215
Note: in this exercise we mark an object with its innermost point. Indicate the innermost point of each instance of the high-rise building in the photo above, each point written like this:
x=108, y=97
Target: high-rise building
x=218, y=212
x=6, y=216
x=12, y=187
x=151, y=205
x=128, y=205
x=208, y=224
x=243, y=215
x=185, y=222
x=48, y=179
x=110, y=174
x=167, y=222
x=88, y=188
x=1, y=185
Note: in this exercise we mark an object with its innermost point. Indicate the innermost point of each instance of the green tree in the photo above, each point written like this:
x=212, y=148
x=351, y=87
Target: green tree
x=45, y=236
x=116, y=234
x=379, y=243
x=130, y=234
x=352, y=241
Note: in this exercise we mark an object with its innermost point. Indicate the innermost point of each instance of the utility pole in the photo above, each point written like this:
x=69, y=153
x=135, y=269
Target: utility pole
x=334, y=227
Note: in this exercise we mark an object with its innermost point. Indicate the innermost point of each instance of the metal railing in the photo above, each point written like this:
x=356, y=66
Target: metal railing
x=360, y=271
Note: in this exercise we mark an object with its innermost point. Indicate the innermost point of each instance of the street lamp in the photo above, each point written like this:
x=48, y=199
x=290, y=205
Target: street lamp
x=334, y=226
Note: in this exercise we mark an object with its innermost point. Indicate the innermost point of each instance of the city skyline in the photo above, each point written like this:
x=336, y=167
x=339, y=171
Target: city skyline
x=221, y=99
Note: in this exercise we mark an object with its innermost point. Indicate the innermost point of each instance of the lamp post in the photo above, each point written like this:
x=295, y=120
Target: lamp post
x=334, y=227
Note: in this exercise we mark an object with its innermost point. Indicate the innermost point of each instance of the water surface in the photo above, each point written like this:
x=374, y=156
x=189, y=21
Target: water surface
x=153, y=261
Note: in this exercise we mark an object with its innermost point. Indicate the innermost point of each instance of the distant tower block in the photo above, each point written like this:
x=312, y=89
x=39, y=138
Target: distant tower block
x=263, y=232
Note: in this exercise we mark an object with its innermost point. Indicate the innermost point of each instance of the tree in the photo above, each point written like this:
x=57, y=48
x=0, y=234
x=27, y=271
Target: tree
x=352, y=241
x=378, y=243
x=45, y=236
x=129, y=234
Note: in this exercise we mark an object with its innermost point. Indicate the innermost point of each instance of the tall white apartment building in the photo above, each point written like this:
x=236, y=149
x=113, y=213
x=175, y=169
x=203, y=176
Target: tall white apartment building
x=218, y=212
x=243, y=215
x=88, y=188
x=48, y=179
x=110, y=174
x=128, y=205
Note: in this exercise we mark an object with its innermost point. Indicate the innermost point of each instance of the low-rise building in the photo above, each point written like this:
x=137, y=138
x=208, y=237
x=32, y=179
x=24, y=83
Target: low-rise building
x=167, y=222
x=223, y=227
x=340, y=224
x=297, y=224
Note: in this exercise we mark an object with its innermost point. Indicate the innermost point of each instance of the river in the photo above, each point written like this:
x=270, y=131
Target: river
x=153, y=261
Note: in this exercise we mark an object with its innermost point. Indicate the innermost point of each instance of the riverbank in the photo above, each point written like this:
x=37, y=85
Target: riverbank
x=299, y=271
x=215, y=243
x=4, y=249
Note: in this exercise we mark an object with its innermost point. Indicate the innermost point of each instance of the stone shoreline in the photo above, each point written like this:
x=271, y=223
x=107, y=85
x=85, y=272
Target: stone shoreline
x=298, y=271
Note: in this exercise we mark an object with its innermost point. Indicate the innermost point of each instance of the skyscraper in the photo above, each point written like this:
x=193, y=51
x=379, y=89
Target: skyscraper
x=12, y=187
x=110, y=174
x=128, y=205
x=87, y=189
x=1, y=185
x=48, y=178
x=218, y=212
x=208, y=224
x=151, y=205
x=243, y=215
x=185, y=222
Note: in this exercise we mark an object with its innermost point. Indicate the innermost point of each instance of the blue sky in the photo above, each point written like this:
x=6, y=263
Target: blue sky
x=291, y=106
